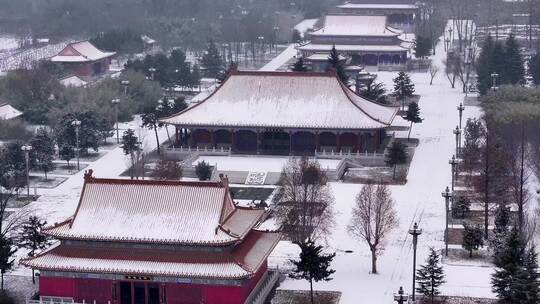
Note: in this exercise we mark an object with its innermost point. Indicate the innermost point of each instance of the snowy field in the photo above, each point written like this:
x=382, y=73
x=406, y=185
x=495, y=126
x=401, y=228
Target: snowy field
x=257, y=164
x=418, y=201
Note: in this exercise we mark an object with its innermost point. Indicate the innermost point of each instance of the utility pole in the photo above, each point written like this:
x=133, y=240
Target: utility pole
x=77, y=125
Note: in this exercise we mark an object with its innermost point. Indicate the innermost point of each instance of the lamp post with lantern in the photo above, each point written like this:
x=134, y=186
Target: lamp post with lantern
x=401, y=297
x=77, y=125
x=415, y=232
x=115, y=103
x=26, y=149
x=446, y=194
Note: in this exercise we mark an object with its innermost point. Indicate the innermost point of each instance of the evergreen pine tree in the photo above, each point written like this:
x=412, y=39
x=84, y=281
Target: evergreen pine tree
x=508, y=263
x=473, y=238
x=373, y=91
x=212, y=60
x=413, y=116
x=484, y=66
x=130, y=145
x=534, y=68
x=7, y=252
x=203, y=170
x=313, y=265
x=422, y=46
x=335, y=62
x=514, y=68
x=43, y=149
x=299, y=65
x=430, y=276
x=403, y=87
x=500, y=231
x=67, y=153
x=526, y=288
x=397, y=155
x=32, y=239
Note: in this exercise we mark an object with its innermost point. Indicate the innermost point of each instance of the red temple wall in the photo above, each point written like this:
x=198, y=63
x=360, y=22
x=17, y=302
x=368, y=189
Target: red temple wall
x=176, y=293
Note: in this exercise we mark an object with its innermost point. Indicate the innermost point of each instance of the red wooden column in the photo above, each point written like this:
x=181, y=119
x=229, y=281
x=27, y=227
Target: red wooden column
x=232, y=140
x=338, y=143
x=290, y=142
x=212, y=140
x=317, y=144
x=359, y=149
x=377, y=140
x=258, y=141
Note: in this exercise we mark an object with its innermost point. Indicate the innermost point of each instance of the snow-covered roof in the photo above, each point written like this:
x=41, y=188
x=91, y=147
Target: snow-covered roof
x=355, y=25
x=242, y=262
x=82, y=51
x=317, y=47
x=143, y=211
x=375, y=6
x=8, y=112
x=285, y=100
x=73, y=81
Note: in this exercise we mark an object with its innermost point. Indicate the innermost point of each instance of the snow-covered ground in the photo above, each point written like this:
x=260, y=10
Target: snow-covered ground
x=257, y=164
x=305, y=25
x=418, y=201
x=281, y=59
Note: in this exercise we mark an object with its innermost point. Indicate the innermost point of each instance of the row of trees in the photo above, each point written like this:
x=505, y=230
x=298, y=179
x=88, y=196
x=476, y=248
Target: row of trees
x=169, y=71
x=502, y=59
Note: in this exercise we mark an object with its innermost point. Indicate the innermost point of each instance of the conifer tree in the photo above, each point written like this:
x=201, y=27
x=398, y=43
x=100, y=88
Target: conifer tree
x=212, y=60
x=299, y=65
x=130, y=145
x=335, y=62
x=32, y=239
x=430, y=276
x=484, y=66
x=508, y=262
x=514, y=71
x=43, y=149
x=67, y=153
x=534, y=68
x=500, y=231
x=397, y=155
x=473, y=238
x=526, y=287
x=7, y=252
x=422, y=46
x=373, y=91
x=413, y=116
x=313, y=265
x=403, y=87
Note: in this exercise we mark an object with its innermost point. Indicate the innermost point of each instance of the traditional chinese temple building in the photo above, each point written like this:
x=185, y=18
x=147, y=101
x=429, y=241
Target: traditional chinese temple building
x=83, y=59
x=284, y=113
x=150, y=242
x=401, y=13
x=366, y=39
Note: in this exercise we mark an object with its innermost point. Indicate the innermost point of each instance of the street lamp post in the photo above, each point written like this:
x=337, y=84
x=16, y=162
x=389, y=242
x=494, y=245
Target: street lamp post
x=460, y=109
x=77, y=125
x=401, y=297
x=152, y=71
x=457, y=132
x=125, y=84
x=26, y=149
x=415, y=232
x=447, y=44
x=447, y=195
x=453, y=162
x=494, y=77
x=115, y=103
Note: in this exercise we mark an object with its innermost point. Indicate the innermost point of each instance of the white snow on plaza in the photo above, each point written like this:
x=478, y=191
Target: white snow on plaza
x=256, y=163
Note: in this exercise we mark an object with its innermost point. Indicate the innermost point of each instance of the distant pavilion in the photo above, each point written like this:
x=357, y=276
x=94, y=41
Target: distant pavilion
x=288, y=113
x=401, y=14
x=83, y=59
x=366, y=39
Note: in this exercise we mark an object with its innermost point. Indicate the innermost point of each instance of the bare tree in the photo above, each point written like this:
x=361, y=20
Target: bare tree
x=373, y=218
x=433, y=70
x=305, y=202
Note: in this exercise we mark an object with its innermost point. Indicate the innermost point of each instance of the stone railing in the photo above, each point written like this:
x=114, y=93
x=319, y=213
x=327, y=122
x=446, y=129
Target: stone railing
x=263, y=288
x=176, y=152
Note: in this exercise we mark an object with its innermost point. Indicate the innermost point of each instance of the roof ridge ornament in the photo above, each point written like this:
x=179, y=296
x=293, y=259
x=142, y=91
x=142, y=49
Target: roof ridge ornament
x=88, y=174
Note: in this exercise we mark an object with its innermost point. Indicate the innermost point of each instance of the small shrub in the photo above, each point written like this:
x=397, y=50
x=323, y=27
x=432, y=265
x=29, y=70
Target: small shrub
x=203, y=171
x=5, y=298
